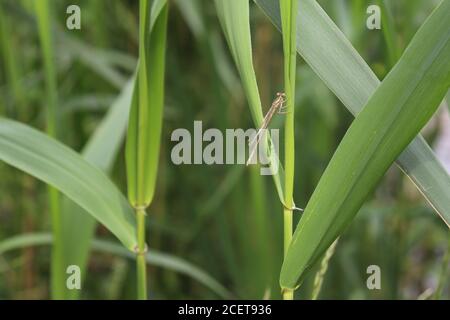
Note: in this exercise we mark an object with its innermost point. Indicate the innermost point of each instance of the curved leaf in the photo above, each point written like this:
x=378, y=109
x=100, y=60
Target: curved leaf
x=154, y=258
x=395, y=113
x=167, y=261
x=50, y=161
x=77, y=225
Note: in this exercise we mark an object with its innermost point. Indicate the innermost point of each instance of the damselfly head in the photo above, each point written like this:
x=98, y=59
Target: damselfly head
x=281, y=94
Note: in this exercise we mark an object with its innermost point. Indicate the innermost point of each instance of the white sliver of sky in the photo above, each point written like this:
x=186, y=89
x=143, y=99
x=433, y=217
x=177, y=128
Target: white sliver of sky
x=442, y=142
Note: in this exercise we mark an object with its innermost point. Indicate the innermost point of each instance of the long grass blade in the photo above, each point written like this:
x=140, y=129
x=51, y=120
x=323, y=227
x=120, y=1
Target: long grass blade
x=50, y=161
x=78, y=226
x=152, y=257
x=395, y=113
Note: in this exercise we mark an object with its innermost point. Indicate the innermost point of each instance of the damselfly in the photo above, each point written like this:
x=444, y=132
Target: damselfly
x=276, y=107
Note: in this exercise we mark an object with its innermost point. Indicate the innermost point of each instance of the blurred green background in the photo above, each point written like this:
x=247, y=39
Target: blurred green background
x=224, y=219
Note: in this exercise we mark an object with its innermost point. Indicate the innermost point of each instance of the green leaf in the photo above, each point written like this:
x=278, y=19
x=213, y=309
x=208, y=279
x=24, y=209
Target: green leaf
x=97, y=60
x=145, y=123
x=388, y=32
x=234, y=19
x=395, y=113
x=101, y=150
x=50, y=161
x=24, y=241
x=169, y=262
x=332, y=57
x=154, y=258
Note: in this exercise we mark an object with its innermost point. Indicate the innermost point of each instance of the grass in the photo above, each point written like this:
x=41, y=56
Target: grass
x=90, y=113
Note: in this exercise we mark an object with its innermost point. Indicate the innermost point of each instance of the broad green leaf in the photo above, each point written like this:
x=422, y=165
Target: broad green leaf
x=332, y=57
x=153, y=257
x=145, y=123
x=50, y=161
x=395, y=113
x=101, y=150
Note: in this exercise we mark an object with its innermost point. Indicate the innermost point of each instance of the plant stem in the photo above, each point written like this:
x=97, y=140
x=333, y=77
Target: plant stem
x=287, y=214
x=289, y=185
x=45, y=36
x=145, y=123
x=141, y=269
x=140, y=259
x=288, y=9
